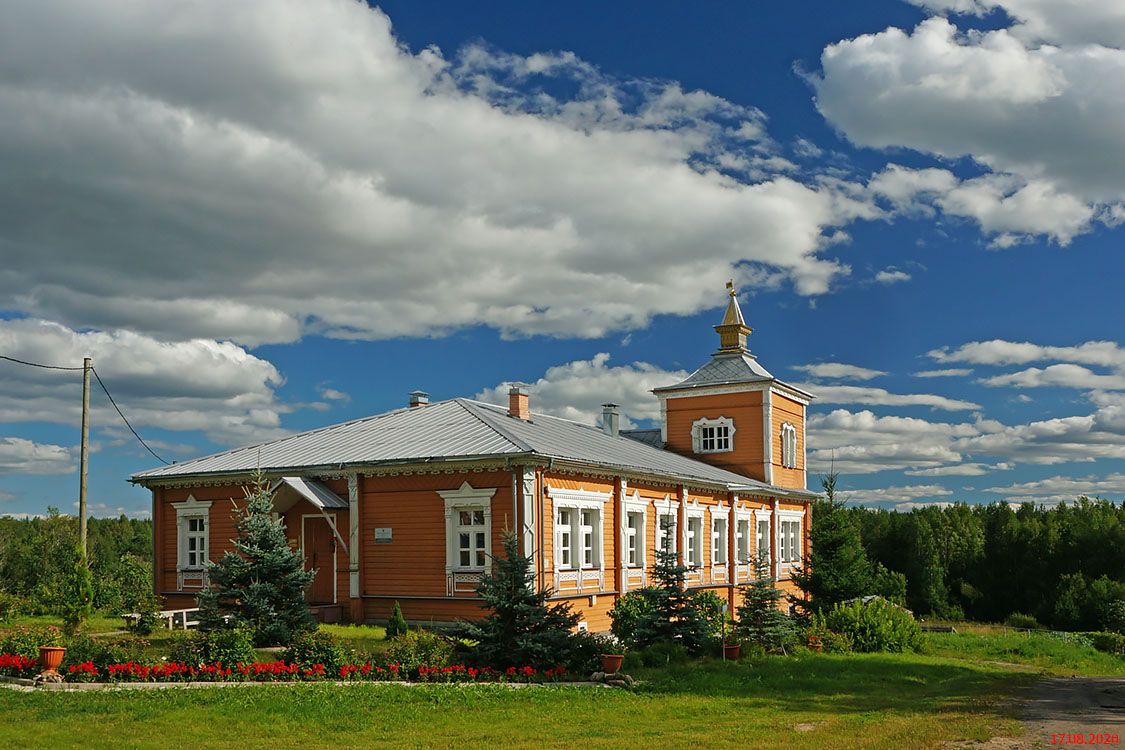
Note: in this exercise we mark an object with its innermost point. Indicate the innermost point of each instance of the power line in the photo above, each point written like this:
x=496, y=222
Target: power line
x=126, y=421
x=107, y=393
x=36, y=364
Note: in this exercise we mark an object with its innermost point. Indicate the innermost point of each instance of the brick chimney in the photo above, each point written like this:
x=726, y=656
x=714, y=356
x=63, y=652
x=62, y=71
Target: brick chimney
x=419, y=398
x=611, y=420
x=519, y=405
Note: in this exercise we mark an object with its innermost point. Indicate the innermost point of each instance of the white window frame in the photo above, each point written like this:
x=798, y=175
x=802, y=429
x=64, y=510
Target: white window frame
x=186, y=512
x=577, y=501
x=633, y=541
x=721, y=444
x=666, y=508
x=720, y=539
x=790, y=537
x=466, y=498
x=761, y=517
x=693, y=537
x=789, y=445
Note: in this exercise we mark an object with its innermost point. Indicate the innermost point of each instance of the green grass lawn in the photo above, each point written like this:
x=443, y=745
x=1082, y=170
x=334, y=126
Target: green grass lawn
x=955, y=692
x=809, y=701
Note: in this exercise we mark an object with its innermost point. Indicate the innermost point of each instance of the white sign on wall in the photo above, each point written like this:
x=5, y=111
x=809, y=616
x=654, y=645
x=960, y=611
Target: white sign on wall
x=383, y=535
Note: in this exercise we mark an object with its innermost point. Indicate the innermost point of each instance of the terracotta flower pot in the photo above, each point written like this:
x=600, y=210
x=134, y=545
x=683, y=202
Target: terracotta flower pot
x=731, y=651
x=611, y=663
x=50, y=657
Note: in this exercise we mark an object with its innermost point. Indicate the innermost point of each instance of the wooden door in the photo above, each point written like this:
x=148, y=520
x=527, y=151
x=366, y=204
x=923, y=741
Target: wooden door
x=320, y=555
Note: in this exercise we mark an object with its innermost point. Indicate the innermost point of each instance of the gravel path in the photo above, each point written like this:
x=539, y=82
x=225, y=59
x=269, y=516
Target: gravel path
x=1059, y=710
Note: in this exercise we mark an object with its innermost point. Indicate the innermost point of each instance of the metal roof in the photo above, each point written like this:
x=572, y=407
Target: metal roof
x=442, y=430
x=315, y=492
x=648, y=437
x=724, y=367
x=458, y=428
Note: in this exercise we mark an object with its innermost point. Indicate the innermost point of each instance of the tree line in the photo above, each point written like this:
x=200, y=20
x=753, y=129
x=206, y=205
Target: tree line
x=1064, y=566
x=39, y=559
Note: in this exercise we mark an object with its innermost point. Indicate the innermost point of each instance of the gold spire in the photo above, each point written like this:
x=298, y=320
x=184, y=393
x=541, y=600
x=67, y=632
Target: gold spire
x=733, y=330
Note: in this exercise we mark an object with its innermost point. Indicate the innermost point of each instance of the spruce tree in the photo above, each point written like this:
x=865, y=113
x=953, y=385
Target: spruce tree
x=675, y=616
x=396, y=625
x=521, y=628
x=760, y=619
x=261, y=585
x=837, y=567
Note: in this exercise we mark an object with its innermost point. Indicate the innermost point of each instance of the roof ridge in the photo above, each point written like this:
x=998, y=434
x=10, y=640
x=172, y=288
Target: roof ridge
x=470, y=406
x=538, y=414
x=315, y=430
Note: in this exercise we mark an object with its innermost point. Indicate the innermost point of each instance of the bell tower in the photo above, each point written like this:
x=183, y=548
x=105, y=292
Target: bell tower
x=734, y=414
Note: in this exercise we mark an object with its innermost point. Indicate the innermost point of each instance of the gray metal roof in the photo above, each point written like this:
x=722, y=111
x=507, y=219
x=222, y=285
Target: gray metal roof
x=315, y=492
x=441, y=430
x=648, y=437
x=732, y=367
x=458, y=428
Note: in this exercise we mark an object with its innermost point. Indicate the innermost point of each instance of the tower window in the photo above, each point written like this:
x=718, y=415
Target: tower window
x=713, y=435
x=788, y=446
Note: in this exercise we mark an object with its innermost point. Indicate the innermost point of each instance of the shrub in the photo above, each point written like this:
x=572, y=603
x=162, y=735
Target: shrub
x=1111, y=643
x=228, y=647
x=1022, y=622
x=664, y=655
x=877, y=625
x=307, y=649
x=829, y=640
x=396, y=626
x=82, y=649
x=25, y=641
x=420, y=648
x=711, y=608
x=12, y=605
x=630, y=610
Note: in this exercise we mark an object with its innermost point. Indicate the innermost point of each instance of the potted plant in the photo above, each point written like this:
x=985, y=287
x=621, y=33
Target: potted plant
x=611, y=651
x=732, y=650
x=51, y=650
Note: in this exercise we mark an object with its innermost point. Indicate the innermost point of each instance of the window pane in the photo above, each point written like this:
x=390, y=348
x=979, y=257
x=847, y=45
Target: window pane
x=465, y=518
x=480, y=558
x=465, y=558
x=464, y=541
x=478, y=518
x=480, y=540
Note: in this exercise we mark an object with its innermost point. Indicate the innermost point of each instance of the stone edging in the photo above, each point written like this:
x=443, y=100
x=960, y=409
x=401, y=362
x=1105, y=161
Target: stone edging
x=25, y=685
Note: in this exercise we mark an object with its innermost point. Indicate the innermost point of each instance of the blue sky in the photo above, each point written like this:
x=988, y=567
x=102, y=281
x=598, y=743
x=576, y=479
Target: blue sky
x=276, y=216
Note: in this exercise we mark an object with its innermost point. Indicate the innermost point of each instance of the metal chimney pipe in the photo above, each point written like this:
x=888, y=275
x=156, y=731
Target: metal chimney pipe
x=611, y=420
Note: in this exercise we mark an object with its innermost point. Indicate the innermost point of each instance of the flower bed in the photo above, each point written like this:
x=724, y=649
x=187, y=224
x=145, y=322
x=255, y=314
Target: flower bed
x=278, y=671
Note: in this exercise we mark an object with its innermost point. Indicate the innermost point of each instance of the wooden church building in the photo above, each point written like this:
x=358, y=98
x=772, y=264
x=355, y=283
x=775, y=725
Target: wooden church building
x=409, y=505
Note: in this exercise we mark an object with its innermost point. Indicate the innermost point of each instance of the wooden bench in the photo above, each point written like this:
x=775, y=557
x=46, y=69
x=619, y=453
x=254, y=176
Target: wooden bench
x=181, y=619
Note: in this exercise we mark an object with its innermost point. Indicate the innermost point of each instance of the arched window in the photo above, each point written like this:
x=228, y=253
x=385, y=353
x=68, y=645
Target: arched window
x=788, y=446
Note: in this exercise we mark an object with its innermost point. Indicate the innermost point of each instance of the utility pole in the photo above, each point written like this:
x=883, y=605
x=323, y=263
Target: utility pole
x=83, y=461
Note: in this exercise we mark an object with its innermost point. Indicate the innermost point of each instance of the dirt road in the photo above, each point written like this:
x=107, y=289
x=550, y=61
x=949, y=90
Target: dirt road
x=1075, y=711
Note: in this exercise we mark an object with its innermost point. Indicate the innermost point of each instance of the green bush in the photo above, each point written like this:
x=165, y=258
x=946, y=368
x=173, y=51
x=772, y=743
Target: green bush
x=396, y=626
x=228, y=647
x=1111, y=643
x=830, y=641
x=25, y=641
x=877, y=625
x=1113, y=616
x=12, y=605
x=102, y=651
x=1022, y=622
x=711, y=606
x=420, y=648
x=307, y=649
x=631, y=609
x=664, y=655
